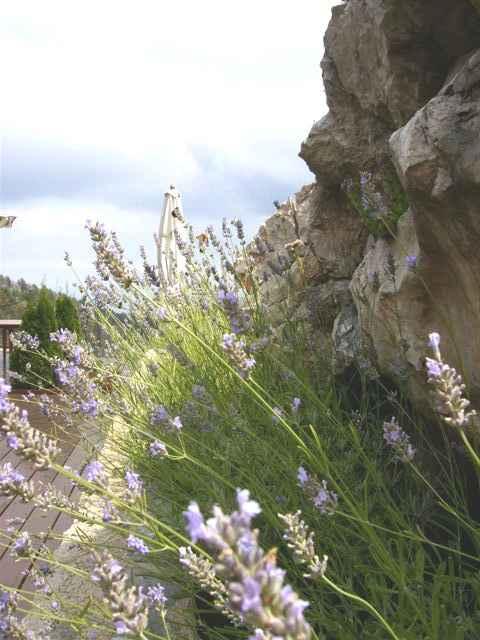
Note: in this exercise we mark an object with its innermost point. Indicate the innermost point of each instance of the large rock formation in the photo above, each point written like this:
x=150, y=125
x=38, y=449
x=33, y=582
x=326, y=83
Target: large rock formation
x=403, y=89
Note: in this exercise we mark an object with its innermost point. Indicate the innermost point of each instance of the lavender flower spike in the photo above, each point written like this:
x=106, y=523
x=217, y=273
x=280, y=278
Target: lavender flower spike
x=13, y=483
x=434, y=341
x=302, y=542
x=396, y=438
x=28, y=442
x=254, y=586
x=137, y=544
x=448, y=388
x=129, y=606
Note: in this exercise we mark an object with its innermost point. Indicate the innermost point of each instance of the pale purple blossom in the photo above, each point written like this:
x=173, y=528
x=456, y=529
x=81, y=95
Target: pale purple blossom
x=5, y=389
x=134, y=483
x=325, y=500
x=157, y=448
x=95, y=471
x=156, y=595
x=411, y=261
x=137, y=544
x=245, y=581
x=434, y=340
x=12, y=441
x=434, y=367
x=296, y=403
x=22, y=545
x=159, y=415
x=302, y=476
x=398, y=440
x=248, y=508
x=176, y=423
x=195, y=523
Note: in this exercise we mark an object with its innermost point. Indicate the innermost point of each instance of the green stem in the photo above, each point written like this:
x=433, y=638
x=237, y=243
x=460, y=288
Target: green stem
x=470, y=449
x=365, y=604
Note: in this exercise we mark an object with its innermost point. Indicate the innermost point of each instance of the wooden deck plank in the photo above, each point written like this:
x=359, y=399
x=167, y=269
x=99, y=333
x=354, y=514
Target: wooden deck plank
x=4, y=449
x=59, y=522
x=10, y=571
x=36, y=521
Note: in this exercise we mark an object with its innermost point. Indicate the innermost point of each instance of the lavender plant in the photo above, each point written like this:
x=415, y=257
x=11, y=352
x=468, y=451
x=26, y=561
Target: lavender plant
x=211, y=398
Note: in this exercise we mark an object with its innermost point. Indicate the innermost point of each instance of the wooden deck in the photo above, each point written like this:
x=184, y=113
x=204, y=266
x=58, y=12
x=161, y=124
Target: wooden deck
x=14, y=573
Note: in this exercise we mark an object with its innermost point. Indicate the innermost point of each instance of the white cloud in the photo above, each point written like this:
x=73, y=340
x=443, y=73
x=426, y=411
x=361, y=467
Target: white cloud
x=108, y=102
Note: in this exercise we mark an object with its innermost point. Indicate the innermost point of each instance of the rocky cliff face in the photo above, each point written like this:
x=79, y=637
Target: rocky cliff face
x=403, y=88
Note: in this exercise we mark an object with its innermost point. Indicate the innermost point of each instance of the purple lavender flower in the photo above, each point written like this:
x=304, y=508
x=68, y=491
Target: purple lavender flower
x=246, y=580
x=326, y=501
x=162, y=313
x=195, y=522
x=411, y=262
x=249, y=363
x=95, y=471
x=235, y=349
x=62, y=336
x=9, y=474
x=296, y=403
x=22, y=545
x=134, y=483
x=434, y=367
x=159, y=415
x=12, y=441
x=248, y=508
x=5, y=389
x=156, y=595
x=13, y=483
x=109, y=512
x=251, y=600
x=89, y=407
x=176, y=423
x=121, y=628
x=434, y=340
x=4, y=600
x=398, y=440
x=77, y=355
x=302, y=476
x=157, y=448
x=231, y=297
x=228, y=341
x=137, y=544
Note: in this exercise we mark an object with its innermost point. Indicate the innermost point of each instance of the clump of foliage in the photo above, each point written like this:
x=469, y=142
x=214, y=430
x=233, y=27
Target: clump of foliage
x=379, y=201
x=66, y=313
x=42, y=317
x=327, y=523
x=15, y=296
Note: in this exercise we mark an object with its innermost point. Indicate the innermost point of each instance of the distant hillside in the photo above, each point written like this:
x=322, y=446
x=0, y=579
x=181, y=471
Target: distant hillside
x=15, y=295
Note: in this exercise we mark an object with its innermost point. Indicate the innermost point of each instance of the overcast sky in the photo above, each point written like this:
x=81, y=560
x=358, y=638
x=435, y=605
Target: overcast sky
x=104, y=104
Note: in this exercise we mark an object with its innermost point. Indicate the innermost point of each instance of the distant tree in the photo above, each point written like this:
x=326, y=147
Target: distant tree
x=38, y=320
x=67, y=314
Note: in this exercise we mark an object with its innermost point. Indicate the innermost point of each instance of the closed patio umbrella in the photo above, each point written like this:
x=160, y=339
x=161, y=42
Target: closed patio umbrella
x=171, y=262
x=7, y=221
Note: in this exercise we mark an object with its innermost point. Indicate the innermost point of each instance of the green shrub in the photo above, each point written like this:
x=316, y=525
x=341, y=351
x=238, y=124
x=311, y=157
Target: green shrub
x=38, y=320
x=67, y=314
